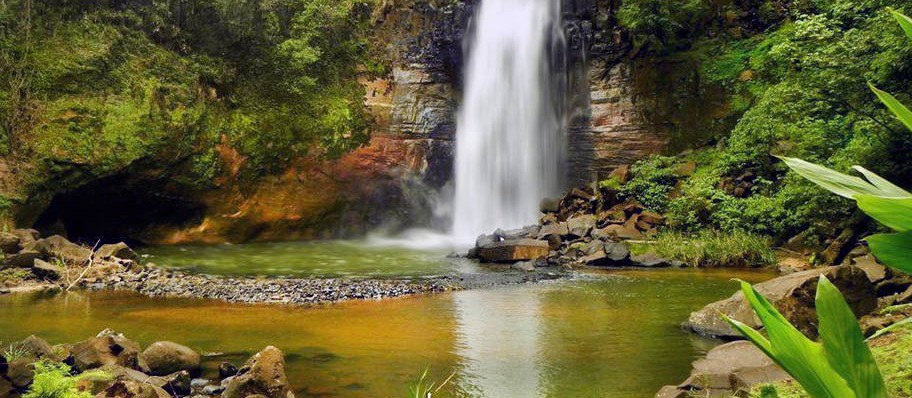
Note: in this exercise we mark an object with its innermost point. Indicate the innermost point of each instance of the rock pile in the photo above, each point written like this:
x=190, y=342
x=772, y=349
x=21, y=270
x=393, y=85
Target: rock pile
x=56, y=260
x=585, y=227
x=163, y=370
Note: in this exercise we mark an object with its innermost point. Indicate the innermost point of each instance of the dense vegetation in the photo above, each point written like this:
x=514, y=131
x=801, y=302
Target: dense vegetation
x=797, y=75
x=103, y=84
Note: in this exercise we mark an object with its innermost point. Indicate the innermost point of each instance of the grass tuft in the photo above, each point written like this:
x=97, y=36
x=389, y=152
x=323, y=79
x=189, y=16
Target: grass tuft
x=710, y=248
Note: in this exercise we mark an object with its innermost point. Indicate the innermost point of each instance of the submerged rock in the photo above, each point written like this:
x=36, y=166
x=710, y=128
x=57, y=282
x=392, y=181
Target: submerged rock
x=514, y=250
x=264, y=374
x=165, y=357
x=793, y=295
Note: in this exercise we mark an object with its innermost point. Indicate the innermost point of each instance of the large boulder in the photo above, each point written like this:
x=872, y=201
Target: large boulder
x=609, y=253
x=126, y=388
x=116, y=250
x=514, y=250
x=21, y=372
x=37, y=347
x=793, y=295
x=108, y=348
x=47, y=271
x=57, y=246
x=617, y=231
x=558, y=229
x=727, y=369
x=9, y=243
x=262, y=374
x=165, y=357
x=23, y=259
x=580, y=226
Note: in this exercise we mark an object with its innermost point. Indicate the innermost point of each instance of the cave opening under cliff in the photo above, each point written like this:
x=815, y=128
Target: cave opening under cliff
x=119, y=208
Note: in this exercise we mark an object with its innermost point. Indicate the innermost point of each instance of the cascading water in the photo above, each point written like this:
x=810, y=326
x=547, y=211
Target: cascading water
x=510, y=128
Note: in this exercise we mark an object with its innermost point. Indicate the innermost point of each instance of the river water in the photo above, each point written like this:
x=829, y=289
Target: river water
x=605, y=334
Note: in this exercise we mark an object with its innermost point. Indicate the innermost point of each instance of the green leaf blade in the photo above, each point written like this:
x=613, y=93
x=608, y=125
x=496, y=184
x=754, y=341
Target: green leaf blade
x=844, y=345
x=895, y=213
x=894, y=250
x=841, y=184
x=899, y=110
x=904, y=22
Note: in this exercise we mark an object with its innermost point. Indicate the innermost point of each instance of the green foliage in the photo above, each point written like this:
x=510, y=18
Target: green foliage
x=710, y=248
x=13, y=352
x=657, y=24
x=840, y=365
x=651, y=182
x=54, y=380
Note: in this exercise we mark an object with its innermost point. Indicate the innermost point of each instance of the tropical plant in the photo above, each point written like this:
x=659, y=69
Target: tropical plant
x=840, y=365
x=882, y=200
x=53, y=380
x=13, y=351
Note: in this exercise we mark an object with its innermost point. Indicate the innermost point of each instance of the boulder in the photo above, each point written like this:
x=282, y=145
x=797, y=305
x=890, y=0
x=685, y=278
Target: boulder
x=672, y=392
x=226, y=370
x=620, y=173
x=165, y=357
x=728, y=369
x=27, y=236
x=23, y=259
x=116, y=250
x=514, y=250
x=6, y=389
x=793, y=295
x=21, y=372
x=617, y=231
x=650, y=260
x=558, y=229
x=652, y=218
x=47, y=271
x=133, y=389
x=609, y=253
x=57, y=246
x=580, y=226
x=264, y=374
x=37, y=347
x=108, y=348
x=9, y=243
x=549, y=205
x=527, y=266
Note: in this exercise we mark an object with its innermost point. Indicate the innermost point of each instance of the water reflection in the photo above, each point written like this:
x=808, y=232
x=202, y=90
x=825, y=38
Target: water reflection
x=497, y=337
x=616, y=336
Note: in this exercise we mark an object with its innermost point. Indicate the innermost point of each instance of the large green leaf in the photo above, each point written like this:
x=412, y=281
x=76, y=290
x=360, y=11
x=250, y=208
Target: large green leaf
x=904, y=21
x=881, y=183
x=802, y=358
x=843, y=184
x=844, y=344
x=895, y=213
x=899, y=110
x=894, y=250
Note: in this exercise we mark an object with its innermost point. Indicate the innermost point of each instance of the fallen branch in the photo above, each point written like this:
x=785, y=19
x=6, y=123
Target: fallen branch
x=91, y=261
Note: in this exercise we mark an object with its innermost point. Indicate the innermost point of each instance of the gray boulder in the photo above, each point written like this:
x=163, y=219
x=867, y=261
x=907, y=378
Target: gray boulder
x=263, y=374
x=580, y=226
x=793, y=295
x=726, y=370
x=165, y=357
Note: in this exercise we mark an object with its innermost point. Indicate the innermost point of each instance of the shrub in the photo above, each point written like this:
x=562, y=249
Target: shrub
x=652, y=180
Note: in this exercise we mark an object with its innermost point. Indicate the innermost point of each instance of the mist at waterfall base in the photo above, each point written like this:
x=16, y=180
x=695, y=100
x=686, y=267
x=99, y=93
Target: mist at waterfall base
x=510, y=139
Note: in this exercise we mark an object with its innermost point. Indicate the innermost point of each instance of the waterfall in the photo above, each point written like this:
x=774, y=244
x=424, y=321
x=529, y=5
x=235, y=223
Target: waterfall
x=510, y=127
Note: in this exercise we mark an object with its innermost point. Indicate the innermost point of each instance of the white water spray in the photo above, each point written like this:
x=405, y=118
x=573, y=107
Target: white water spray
x=509, y=140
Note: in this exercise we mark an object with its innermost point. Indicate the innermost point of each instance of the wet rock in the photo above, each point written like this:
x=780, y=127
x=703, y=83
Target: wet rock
x=133, y=389
x=616, y=251
x=37, y=347
x=21, y=372
x=617, y=231
x=264, y=373
x=649, y=260
x=198, y=383
x=116, y=250
x=9, y=243
x=165, y=357
x=47, y=271
x=871, y=268
x=672, y=392
x=57, y=246
x=514, y=250
x=227, y=369
x=527, y=266
x=557, y=229
x=580, y=226
x=213, y=390
x=729, y=368
x=608, y=254
x=177, y=383
x=793, y=295
x=108, y=348
x=23, y=259
x=549, y=205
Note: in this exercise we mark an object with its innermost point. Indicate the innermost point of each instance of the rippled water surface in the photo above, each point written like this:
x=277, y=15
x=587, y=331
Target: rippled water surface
x=316, y=258
x=614, y=335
